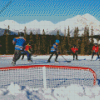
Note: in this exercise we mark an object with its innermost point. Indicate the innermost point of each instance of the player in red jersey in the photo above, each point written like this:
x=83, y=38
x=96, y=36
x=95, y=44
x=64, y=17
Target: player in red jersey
x=95, y=49
x=28, y=50
x=74, y=50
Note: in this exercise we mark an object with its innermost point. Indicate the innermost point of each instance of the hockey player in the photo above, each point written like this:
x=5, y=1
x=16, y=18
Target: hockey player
x=19, y=45
x=54, y=50
x=28, y=50
x=95, y=49
x=74, y=50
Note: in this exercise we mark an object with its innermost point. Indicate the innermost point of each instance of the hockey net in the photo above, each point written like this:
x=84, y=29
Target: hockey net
x=46, y=76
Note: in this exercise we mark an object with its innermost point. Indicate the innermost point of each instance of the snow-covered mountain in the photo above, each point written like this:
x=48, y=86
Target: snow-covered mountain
x=50, y=28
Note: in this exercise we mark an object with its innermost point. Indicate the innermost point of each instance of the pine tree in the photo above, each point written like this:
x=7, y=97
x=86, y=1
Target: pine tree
x=43, y=43
x=57, y=36
x=5, y=32
x=64, y=41
x=50, y=44
x=98, y=40
x=31, y=39
x=82, y=46
x=92, y=41
x=39, y=46
x=65, y=32
x=68, y=40
x=64, y=45
x=86, y=40
x=31, y=36
x=76, y=36
x=8, y=29
x=68, y=34
x=25, y=34
x=7, y=48
x=6, y=40
x=36, y=44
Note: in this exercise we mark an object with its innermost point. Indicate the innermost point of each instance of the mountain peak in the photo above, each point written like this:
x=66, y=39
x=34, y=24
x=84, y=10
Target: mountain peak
x=89, y=17
x=10, y=21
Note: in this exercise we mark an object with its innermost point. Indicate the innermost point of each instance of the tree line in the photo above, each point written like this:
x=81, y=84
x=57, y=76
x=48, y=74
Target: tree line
x=41, y=44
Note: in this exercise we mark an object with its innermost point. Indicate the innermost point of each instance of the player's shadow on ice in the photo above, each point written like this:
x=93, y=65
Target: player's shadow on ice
x=98, y=80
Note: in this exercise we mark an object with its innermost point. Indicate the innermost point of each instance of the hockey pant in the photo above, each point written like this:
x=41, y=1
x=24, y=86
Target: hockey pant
x=28, y=55
x=23, y=53
x=52, y=55
x=75, y=54
x=95, y=53
x=17, y=54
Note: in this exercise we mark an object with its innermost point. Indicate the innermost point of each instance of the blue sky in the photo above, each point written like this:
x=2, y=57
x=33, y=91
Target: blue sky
x=24, y=11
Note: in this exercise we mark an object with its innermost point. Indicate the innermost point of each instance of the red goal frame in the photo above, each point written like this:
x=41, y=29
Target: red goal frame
x=52, y=66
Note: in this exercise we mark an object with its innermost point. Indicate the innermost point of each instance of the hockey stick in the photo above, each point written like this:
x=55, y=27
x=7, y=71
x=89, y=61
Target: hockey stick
x=65, y=59
x=68, y=51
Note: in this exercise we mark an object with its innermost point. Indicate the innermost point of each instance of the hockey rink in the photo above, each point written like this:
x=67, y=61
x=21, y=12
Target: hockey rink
x=16, y=89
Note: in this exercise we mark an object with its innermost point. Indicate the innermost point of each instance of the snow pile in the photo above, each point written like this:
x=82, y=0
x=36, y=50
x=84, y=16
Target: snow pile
x=72, y=92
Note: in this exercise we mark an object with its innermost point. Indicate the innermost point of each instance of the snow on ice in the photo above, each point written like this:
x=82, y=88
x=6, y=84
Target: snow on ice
x=72, y=92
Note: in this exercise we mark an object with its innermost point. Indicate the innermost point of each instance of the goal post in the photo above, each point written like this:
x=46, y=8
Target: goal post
x=47, y=76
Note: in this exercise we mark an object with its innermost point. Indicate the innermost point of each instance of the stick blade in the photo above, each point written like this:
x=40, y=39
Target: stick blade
x=67, y=61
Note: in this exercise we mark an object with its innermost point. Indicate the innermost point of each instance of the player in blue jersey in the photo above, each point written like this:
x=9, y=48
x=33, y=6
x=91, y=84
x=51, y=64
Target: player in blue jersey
x=19, y=45
x=54, y=50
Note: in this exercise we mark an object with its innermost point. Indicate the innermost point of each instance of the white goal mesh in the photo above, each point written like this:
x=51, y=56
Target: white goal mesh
x=46, y=76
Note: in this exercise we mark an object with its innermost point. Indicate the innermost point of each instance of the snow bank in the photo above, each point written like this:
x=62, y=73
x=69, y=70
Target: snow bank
x=72, y=92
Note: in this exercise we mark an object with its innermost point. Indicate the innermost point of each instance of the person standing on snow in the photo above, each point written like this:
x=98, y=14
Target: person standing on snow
x=95, y=50
x=19, y=45
x=54, y=50
x=74, y=50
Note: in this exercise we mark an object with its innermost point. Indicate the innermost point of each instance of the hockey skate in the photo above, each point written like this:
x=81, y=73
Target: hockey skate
x=13, y=63
x=48, y=61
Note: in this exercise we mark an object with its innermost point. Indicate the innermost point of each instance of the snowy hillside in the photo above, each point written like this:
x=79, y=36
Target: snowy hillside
x=50, y=28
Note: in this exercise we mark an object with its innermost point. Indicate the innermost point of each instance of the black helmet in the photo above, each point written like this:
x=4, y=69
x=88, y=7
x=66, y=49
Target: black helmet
x=96, y=44
x=74, y=46
x=30, y=42
x=21, y=34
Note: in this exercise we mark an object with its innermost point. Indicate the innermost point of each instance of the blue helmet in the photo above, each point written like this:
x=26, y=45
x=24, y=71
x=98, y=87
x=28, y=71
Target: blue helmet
x=57, y=41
